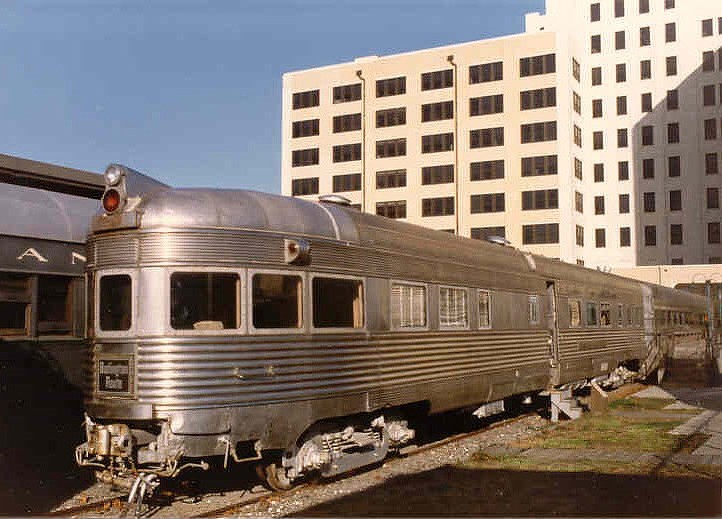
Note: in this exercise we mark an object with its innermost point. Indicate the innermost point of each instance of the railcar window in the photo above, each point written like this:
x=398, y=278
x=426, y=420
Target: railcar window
x=533, y=309
x=620, y=315
x=592, y=314
x=55, y=305
x=408, y=305
x=277, y=301
x=337, y=303
x=14, y=304
x=484, y=309
x=575, y=314
x=605, y=314
x=204, y=300
x=452, y=308
x=116, y=296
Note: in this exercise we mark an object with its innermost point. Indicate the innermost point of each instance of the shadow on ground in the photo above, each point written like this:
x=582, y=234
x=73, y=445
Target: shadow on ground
x=452, y=491
x=40, y=425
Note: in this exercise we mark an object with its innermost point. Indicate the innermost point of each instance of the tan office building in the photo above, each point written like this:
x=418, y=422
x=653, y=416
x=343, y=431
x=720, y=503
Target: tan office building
x=594, y=137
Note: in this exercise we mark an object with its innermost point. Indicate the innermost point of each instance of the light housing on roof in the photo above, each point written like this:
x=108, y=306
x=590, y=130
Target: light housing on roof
x=115, y=195
x=113, y=175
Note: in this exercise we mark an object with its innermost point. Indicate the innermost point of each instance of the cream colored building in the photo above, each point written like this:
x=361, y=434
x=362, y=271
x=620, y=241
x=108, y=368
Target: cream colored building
x=562, y=139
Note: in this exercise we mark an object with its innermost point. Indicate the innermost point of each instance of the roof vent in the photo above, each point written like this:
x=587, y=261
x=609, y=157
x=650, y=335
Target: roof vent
x=334, y=199
x=498, y=240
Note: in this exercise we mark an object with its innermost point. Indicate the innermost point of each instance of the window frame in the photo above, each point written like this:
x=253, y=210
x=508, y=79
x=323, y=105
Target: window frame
x=394, y=328
x=533, y=316
x=489, y=302
x=467, y=308
x=110, y=334
x=335, y=329
x=304, y=312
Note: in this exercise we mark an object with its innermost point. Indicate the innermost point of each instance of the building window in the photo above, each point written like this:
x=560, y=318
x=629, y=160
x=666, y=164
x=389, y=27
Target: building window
x=600, y=238
x=645, y=69
x=541, y=199
x=596, y=44
x=708, y=61
x=437, y=174
x=621, y=105
x=576, y=70
x=538, y=132
x=710, y=129
x=392, y=209
x=713, y=232
x=577, y=136
x=707, y=28
x=539, y=98
x=674, y=167
x=622, y=140
x=623, y=204
x=598, y=172
x=487, y=203
x=307, y=157
x=579, y=235
x=438, y=79
x=305, y=99
x=437, y=206
x=598, y=140
x=643, y=6
x=535, y=65
x=671, y=65
x=577, y=103
x=390, y=178
x=578, y=202
x=596, y=76
x=304, y=186
x=599, y=205
x=577, y=168
x=488, y=170
x=538, y=166
x=669, y=4
x=486, y=137
x=650, y=235
x=346, y=123
x=438, y=142
x=618, y=8
x=646, y=102
x=350, y=182
x=305, y=128
x=538, y=234
x=621, y=72
x=619, y=40
x=647, y=168
x=673, y=99
x=347, y=152
x=346, y=93
x=644, y=37
x=484, y=233
x=390, y=117
x=486, y=72
x=625, y=239
x=675, y=200
x=670, y=32
x=647, y=135
x=649, y=202
x=594, y=14
x=408, y=305
x=391, y=148
x=712, y=198
x=672, y=133
x=390, y=87
x=493, y=104
x=708, y=95
x=437, y=111
x=711, y=164
x=675, y=234
x=623, y=170
x=597, y=110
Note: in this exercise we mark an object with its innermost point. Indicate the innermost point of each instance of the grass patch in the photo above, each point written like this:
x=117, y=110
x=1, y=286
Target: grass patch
x=530, y=464
x=641, y=403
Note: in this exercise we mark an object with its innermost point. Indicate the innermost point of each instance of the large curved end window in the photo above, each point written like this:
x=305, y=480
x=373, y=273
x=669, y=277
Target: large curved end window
x=205, y=301
x=337, y=303
x=116, y=302
x=277, y=301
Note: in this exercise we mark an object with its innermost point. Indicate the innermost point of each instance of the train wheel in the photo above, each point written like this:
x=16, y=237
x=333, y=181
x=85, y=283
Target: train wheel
x=274, y=477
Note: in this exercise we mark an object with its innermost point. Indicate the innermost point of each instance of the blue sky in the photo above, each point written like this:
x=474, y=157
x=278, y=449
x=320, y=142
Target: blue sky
x=189, y=91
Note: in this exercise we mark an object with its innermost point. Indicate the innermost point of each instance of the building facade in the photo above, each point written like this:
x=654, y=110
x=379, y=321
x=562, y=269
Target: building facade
x=595, y=136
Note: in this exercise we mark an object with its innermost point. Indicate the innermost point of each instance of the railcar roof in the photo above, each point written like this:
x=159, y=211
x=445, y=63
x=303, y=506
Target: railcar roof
x=36, y=213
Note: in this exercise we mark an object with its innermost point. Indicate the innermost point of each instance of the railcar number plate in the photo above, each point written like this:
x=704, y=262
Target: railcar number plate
x=114, y=375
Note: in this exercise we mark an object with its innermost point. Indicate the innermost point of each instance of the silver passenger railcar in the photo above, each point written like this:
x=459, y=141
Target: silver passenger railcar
x=249, y=326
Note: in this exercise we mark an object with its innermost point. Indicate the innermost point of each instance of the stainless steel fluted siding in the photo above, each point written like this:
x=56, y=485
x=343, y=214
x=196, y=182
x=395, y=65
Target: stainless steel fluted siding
x=579, y=343
x=186, y=374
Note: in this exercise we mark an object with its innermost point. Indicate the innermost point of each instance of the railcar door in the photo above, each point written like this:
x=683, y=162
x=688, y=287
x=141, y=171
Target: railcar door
x=552, y=319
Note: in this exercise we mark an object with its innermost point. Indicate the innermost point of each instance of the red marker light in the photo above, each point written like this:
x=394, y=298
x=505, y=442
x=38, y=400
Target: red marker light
x=111, y=200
